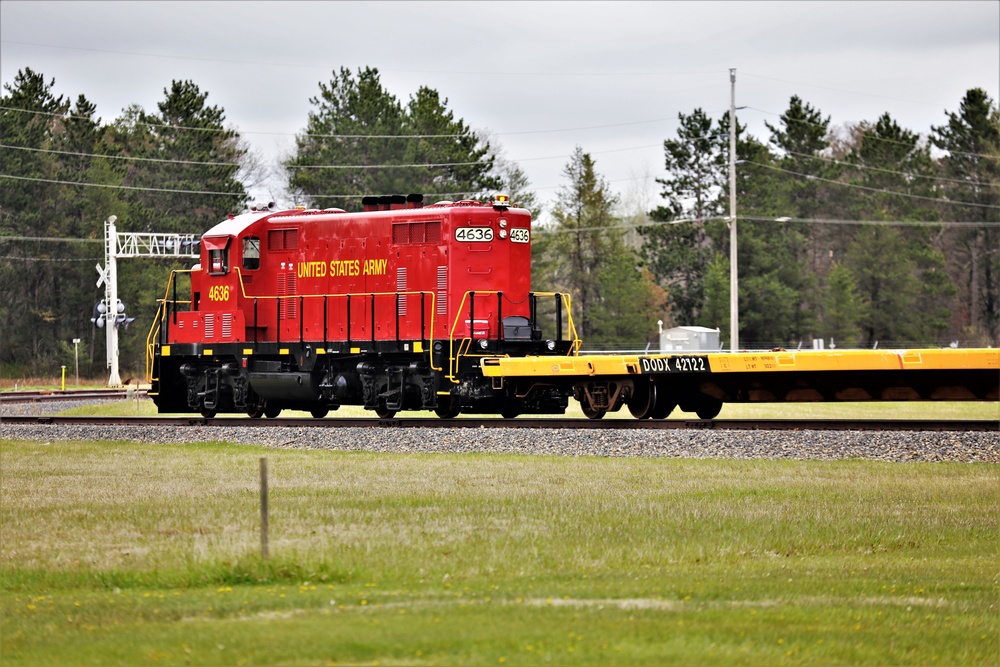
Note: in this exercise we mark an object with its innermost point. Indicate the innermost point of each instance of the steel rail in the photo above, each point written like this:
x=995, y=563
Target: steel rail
x=959, y=425
x=45, y=396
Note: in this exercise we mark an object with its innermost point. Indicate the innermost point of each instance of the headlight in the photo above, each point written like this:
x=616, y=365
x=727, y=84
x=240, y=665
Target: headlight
x=503, y=233
x=484, y=344
x=550, y=345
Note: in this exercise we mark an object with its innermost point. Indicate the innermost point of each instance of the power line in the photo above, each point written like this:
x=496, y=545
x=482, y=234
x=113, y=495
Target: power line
x=49, y=239
x=120, y=157
x=836, y=90
x=885, y=171
x=868, y=189
x=44, y=259
x=549, y=229
x=364, y=166
x=119, y=187
x=872, y=137
x=327, y=67
x=224, y=130
x=342, y=136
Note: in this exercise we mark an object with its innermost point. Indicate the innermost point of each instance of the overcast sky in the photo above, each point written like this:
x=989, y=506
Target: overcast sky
x=542, y=77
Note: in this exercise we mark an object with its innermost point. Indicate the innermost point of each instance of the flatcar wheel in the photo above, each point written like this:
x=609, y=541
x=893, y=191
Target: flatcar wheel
x=319, y=413
x=509, y=413
x=708, y=408
x=256, y=412
x=384, y=412
x=664, y=404
x=591, y=413
x=643, y=400
x=271, y=413
x=207, y=414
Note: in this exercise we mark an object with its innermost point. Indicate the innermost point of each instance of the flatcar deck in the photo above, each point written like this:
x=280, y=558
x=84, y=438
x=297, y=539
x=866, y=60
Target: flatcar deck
x=777, y=376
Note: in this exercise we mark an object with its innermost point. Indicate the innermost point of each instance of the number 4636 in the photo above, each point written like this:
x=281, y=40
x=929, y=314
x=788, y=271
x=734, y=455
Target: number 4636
x=218, y=293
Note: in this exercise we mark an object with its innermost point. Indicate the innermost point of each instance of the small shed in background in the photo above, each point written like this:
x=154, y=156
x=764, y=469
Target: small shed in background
x=690, y=339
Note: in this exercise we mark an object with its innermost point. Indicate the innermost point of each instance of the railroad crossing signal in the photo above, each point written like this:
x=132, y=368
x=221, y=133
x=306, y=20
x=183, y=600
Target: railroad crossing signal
x=130, y=245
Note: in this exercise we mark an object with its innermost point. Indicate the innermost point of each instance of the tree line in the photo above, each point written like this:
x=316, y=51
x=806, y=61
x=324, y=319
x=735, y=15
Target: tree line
x=871, y=235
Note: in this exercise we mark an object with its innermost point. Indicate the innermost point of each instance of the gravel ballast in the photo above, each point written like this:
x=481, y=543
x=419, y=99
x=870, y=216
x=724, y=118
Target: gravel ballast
x=955, y=446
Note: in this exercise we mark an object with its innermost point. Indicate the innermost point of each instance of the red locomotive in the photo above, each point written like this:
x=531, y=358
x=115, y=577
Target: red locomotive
x=391, y=308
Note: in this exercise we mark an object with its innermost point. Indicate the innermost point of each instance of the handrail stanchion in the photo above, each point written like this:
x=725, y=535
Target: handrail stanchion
x=559, y=306
x=499, y=315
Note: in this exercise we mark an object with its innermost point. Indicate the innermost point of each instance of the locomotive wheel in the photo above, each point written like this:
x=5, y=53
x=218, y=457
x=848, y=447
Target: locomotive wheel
x=256, y=412
x=319, y=413
x=271, y=413
x=449, y=410
x=643, y=400
x=206, y=413
x=591, y=413
x=509, y=413
x=384, y=412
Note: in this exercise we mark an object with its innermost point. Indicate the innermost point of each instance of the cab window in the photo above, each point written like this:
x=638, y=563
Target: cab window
x=218, y=261
x=251, y=253
x=218, y=254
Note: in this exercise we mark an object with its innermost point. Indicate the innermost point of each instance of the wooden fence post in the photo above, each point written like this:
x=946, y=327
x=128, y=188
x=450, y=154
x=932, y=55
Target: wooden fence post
x=263, y=508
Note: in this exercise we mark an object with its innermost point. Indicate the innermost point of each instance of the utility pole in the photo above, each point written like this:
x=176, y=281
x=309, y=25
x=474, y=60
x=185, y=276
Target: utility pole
x=734, y=308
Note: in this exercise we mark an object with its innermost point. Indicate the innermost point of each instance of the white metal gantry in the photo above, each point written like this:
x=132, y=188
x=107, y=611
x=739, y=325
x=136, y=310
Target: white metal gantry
x=126, y=244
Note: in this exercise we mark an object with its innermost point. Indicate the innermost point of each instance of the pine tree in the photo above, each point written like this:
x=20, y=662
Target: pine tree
x=29, y=315
x=843, y=308
x=359, y=140
x=584, y=254
x=972, y=139
x=677, y=252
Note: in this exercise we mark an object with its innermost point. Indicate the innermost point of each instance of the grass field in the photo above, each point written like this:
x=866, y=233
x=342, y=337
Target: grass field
x=124, y=554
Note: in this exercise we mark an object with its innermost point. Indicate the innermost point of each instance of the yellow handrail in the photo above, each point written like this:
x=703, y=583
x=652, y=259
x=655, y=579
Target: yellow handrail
x=433, y=309
x=453, y=355
x=154, y=328
x=466, y=342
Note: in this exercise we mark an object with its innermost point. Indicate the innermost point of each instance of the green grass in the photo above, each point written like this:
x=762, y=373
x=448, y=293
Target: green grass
x=121, y=554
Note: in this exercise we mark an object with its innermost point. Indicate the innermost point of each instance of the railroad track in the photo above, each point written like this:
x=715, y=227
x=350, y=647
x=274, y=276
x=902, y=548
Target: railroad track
x=523, y=423
x=45, y=396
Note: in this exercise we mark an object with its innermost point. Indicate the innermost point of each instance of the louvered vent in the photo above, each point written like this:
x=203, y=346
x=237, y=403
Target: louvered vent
x=416, y=232
x=283, y=239
x=442, y=291
x=209, y=325
x=433, y=232
x=227, y=325
x=287, y=286
x=401, y=287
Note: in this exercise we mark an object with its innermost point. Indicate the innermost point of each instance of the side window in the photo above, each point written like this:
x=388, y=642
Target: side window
x=251, y=253
x=218, y=261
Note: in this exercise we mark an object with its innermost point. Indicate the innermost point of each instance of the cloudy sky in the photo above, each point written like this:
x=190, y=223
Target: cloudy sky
x=541, y=77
